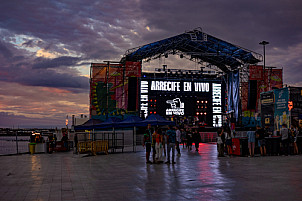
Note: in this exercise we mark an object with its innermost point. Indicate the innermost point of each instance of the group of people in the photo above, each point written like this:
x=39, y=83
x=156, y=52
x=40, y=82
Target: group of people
x=162, y=144
x=288, y=137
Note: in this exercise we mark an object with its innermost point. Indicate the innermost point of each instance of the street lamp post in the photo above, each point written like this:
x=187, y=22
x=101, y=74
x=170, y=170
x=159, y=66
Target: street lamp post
x=264, y=43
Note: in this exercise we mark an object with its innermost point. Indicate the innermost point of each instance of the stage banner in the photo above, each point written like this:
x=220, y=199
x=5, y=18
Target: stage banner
x=256, y=72
x=281, y=108
x=108, y=90
x=274, y=76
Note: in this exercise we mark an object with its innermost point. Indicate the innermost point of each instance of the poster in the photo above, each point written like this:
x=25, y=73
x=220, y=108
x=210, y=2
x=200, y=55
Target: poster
x=267, y=110
x=281, y=108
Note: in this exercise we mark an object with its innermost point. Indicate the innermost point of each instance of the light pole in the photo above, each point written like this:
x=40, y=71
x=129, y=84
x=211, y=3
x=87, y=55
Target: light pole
x=264, y=43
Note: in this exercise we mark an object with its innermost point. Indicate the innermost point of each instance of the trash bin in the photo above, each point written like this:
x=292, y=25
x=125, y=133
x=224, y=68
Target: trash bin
x=32, y=147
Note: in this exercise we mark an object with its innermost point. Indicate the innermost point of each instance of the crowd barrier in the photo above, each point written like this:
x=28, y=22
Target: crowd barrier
x=93, y=147
x=208, y=136
x=114, y=141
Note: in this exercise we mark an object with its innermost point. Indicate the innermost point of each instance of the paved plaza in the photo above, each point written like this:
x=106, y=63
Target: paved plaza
x=126, y=176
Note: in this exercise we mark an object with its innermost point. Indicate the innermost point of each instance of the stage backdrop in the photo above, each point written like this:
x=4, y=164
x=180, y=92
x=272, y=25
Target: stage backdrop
x=200, y=99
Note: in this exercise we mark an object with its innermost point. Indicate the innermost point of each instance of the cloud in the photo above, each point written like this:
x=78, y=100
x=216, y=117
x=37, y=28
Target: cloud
x=46, y=72
x=49, y=45
x=56, y=62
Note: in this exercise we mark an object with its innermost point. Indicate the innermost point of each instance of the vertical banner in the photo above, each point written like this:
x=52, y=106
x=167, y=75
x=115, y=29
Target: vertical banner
x=233, y=93
x=230, y=94
x=236, y=94
x=281, y=108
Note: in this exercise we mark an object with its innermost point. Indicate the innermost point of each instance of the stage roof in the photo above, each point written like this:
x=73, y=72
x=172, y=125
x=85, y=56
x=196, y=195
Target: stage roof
x=196, y=46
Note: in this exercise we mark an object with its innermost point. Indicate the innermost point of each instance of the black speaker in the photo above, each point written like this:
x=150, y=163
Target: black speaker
x=132, y=93
x=252, y=95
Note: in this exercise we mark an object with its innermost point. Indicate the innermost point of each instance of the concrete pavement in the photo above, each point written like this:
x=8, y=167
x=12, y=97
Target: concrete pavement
x=126, y=176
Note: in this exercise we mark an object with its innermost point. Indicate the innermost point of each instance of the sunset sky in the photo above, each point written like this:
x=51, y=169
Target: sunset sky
x=46, y=47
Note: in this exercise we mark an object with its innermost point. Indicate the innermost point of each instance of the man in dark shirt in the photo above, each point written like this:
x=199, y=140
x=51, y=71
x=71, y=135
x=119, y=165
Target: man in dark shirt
x=147, y=143
x=171, y=140
x=261, y=141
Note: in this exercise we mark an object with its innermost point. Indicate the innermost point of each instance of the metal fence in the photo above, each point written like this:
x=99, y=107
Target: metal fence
x=13, y=145
x=124, y=140
x=208, y=136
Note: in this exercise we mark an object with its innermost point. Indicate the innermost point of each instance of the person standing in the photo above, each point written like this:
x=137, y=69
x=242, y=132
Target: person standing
x=251, y=142
x=178, y=140
x=183, y=138
x=196, y=139
x=75, y=140
x=158, y=145
x=228, y=140
x=220, y=145
x=284, y=139
x=294, y=132
x=216, y=121
x=153, y=142
x=261, y=141
x=164, y=143
x=171, y=139
x=189, y=139
x=147, y=143
x=64, y=139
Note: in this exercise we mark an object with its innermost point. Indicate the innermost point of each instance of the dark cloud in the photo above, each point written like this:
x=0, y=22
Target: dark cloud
x=4, y=50
x=40, y=71
x=56, y=62
x=47, y=78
